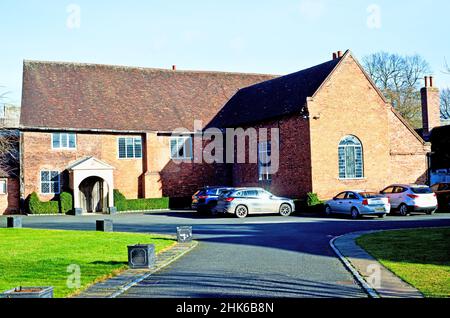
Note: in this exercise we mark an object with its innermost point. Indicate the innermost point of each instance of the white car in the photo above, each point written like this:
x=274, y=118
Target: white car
x=357, y=203
x=411, y=198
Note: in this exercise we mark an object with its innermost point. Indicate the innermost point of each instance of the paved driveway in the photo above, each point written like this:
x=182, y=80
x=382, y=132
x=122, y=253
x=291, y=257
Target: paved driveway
x=263, y=256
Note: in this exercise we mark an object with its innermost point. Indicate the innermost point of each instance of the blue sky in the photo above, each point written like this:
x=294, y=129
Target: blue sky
x=258, y=36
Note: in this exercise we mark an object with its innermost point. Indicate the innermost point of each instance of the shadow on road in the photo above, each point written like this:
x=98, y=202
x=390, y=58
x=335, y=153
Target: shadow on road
x=231, y=285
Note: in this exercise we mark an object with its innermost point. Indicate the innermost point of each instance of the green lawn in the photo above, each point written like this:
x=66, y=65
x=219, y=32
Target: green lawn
x=420, y=257
x=41, y=257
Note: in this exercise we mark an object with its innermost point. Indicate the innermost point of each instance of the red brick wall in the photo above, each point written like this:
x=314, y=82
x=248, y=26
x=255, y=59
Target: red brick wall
x=153, y=176
x=38, y=155
x=9, y=202
x=293, y=178
x=179, y=179
x=408, y=159
x=348, y=104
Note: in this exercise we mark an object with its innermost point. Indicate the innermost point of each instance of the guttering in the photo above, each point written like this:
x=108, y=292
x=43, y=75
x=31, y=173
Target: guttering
x=94, y=130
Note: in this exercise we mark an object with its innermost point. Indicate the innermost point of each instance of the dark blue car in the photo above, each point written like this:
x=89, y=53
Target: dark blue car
x=205, y=199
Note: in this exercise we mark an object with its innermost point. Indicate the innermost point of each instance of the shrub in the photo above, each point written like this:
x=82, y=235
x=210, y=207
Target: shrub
x=66, y=200
x=310, y=204
x=62, y=203
x=313, y=200
x=123, y=205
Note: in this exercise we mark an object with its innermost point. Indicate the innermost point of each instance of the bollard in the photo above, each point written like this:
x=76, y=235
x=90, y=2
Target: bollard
x=14, y=222
x=104, y=225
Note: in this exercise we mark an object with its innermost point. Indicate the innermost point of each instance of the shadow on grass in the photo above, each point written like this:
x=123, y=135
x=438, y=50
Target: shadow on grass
x=110, y=263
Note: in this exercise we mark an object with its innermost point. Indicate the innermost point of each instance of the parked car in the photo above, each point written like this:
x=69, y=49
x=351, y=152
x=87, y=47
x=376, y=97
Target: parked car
x=206, y=198
x=411, y=198
x=244, y=201
x=357, y=203
x=442, y=191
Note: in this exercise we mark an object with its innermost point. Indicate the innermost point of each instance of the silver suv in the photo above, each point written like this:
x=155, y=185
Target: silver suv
x=244, y=201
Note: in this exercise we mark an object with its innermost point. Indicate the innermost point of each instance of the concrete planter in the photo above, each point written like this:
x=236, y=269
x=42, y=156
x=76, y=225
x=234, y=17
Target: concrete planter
x=28, y=292
x=141, y=256
x=104, y=225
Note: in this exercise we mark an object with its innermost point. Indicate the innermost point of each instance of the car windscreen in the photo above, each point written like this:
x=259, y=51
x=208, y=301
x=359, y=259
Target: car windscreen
x=421, y=190
x=370, y=195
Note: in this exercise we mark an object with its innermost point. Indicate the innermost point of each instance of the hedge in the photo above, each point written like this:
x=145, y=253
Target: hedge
x=62, y=203
x=309, y=204
x=313, y=200
x=123, y=204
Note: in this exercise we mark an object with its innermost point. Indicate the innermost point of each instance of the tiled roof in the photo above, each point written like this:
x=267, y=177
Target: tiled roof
x=101, y=97
x=278, y=97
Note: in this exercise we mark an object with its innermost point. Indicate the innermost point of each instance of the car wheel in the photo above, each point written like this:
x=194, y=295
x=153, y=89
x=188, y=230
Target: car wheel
x=285, y=210
x=355, y=213
x=241, y=211
x=404, y=210
x=381, y=216
x=328, y=211
x=431, y=212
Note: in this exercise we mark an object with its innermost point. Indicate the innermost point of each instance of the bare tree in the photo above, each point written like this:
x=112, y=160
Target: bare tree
x=9, y=152
x=445, y=103
x=9, y=147
x=399, y=78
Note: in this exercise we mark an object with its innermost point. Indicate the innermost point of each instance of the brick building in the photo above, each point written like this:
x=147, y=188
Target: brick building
x=89, y=129
x=337, y=131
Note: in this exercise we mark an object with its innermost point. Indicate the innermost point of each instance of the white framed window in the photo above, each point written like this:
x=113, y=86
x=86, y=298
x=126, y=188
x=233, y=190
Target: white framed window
x=3, y=186
x=50, y=182
x=264, y=161
x=181, y=148
x=64, y=141
x=351, y=159
x=129, y=147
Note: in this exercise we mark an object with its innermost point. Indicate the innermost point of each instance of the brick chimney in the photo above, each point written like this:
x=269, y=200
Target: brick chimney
x=431, y=114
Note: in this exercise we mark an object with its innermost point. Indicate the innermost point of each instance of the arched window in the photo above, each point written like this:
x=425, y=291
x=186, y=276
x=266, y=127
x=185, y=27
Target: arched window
x=351, y=160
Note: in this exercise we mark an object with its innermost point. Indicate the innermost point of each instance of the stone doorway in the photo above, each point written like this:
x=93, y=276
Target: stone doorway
x=93, y=195
x=92, y=182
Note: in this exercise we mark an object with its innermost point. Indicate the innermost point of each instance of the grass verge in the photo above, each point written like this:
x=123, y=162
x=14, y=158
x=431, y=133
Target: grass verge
x=421, y=257
x=41, y=257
